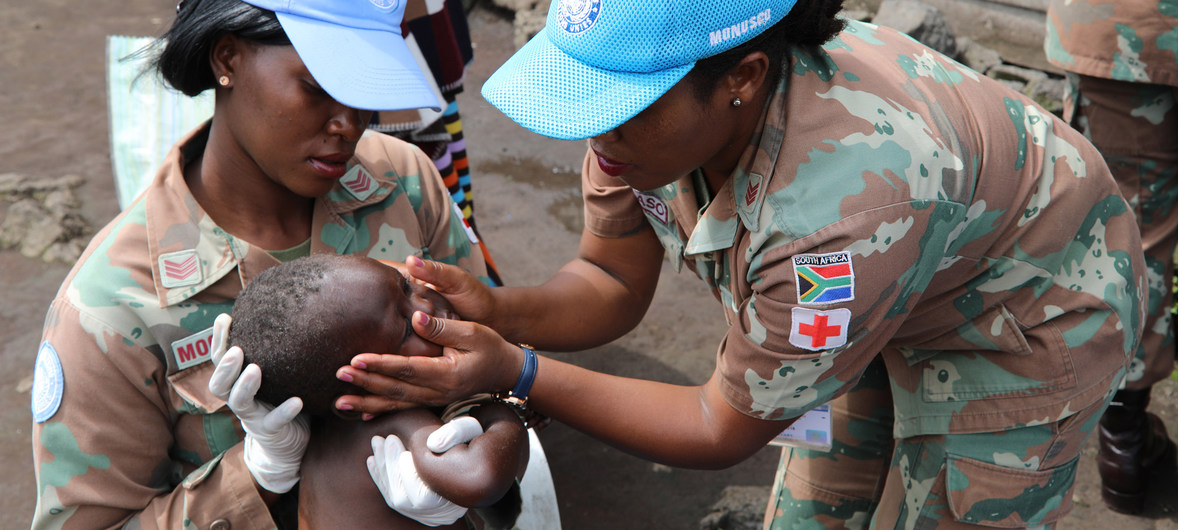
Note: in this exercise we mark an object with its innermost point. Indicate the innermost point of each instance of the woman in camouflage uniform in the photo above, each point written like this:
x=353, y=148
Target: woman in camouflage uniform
x=129, y=430
x=848, y=194
x=1121, y=59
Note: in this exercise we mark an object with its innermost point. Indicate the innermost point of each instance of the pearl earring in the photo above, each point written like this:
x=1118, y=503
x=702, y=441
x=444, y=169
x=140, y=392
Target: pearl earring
x=736, y=102
x=223, y=80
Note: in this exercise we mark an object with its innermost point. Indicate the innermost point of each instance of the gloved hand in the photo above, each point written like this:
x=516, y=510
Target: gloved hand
x=459, y=430
x=392, y=469
x=275, y=438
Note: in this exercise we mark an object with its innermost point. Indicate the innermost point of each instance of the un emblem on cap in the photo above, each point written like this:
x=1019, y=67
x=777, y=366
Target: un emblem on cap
x=385, y=4
x=577, y=16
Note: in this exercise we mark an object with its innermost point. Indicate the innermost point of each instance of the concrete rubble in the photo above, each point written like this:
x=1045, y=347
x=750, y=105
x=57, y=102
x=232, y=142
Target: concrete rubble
x=43, y=220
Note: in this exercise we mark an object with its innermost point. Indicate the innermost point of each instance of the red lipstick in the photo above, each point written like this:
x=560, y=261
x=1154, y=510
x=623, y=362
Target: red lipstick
x=611, y=167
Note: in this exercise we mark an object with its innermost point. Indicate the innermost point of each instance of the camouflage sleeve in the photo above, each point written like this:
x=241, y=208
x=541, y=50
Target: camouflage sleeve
x=611, y=210
x=104, y=452
x=821, y=308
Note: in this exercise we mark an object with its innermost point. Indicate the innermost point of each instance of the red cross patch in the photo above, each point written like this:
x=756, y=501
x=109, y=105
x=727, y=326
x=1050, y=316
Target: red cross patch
x=180, y=269
x=819, y=330
x=359, y=183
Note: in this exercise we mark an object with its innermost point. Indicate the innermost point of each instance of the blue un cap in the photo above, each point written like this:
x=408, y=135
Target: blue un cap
x=355, y=50
x=597, y=63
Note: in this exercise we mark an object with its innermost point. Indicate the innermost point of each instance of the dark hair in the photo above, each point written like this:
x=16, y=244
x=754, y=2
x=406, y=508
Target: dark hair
x=809, y=24
x=284, y=327
x=184, y=51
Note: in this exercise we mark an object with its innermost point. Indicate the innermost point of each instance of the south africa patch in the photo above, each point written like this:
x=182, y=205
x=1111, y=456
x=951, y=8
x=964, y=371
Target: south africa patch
x=48, y=384
x=824, y=278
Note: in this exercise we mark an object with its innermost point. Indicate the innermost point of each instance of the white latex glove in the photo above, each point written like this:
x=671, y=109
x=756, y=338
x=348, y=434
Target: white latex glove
x=459, y=430
x=275, y=438
x=392, y=469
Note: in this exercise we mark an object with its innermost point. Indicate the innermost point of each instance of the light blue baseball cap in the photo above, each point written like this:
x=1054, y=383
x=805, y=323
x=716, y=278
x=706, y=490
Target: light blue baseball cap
x=597, y=63
x=355, y=51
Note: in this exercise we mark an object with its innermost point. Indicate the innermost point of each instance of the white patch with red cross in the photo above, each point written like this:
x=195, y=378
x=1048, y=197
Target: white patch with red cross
x=817, y=330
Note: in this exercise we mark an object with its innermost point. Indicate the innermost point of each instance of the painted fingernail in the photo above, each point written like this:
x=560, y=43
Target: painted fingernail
x=344, y=406
x=367, y=416
x=345, y=377
x=422, y=318
x=359, y=364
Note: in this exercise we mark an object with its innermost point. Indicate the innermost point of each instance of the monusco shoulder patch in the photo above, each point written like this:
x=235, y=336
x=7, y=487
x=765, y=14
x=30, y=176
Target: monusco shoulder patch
x=48, y=383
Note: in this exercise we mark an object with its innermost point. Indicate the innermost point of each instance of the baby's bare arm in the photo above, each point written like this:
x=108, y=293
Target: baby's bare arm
x=475, y=474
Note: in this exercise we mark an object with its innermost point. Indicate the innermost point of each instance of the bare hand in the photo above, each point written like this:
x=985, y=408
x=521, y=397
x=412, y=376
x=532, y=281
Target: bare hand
x=470, y=297
x=475, y=359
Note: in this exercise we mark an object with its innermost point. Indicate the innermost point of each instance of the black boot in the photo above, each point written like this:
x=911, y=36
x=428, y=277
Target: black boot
x=1133, y=446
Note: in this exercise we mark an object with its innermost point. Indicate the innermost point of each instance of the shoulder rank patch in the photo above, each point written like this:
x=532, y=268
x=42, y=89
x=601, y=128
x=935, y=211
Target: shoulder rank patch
x=193, y=349
x=180, y=269
x=824, y=278
x=358, y=183
x=654, y=206
x=816, y=330
x=48, y=383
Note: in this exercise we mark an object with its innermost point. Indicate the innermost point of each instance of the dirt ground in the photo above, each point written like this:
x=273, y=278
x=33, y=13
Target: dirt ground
x=53, y=122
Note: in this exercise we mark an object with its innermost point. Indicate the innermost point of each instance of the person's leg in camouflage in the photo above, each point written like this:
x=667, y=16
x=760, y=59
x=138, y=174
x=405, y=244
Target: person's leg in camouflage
x=1135, y=127
x=839, y=488
x=1021, y=477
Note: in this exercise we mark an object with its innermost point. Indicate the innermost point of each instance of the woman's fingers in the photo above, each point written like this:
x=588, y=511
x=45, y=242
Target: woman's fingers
x=368, y=405
x=469, y=296
x=433, y=273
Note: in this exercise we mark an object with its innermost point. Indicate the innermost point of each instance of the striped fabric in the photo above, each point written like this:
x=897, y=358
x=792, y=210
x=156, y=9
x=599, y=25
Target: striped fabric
x=438, y=35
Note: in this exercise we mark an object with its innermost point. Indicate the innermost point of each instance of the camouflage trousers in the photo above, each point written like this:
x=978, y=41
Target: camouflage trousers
x=1135, y=127
x=1018, y=478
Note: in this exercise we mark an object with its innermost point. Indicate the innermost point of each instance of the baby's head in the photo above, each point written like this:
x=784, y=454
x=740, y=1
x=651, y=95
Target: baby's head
x=302, y=320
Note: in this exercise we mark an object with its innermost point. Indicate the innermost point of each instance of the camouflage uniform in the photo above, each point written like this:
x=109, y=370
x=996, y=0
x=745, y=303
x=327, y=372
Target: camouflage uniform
x=1122, y=63
x=125, y=429
x=916, y=211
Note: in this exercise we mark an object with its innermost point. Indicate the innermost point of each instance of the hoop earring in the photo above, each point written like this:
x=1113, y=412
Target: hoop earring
x=223, y=80
x=736, y=102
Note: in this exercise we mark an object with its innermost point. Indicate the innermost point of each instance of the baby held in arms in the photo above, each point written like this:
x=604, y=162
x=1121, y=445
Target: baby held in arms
x=302, y=320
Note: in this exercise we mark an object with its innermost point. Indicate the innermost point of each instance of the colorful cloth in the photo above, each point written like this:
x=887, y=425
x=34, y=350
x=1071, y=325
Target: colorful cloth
x=995, y=268
x=438, y=35
x=125, y=430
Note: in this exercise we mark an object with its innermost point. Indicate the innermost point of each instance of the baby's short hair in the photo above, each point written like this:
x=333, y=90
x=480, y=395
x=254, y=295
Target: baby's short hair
x=298, y=343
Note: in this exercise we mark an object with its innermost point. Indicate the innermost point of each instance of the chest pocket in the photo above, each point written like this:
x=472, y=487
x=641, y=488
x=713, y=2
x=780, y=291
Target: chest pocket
x=204, y=419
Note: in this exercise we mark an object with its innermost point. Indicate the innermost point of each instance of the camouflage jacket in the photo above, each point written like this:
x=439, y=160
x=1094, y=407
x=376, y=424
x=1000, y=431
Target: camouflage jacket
x=1123, y=40
x=125, y=430
x=895, y=201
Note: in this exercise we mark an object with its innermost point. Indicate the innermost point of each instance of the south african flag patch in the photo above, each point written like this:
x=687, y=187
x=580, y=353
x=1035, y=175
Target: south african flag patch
x=824, y=278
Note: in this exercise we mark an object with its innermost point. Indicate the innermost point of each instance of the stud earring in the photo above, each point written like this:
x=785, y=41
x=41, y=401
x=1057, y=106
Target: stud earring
x=736, y=102
x=223, y=80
